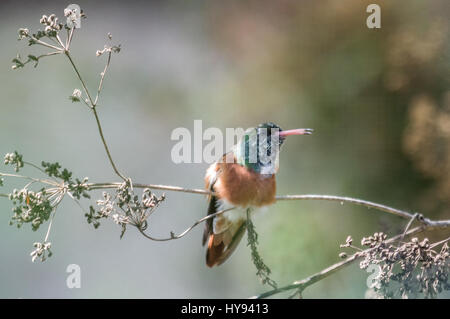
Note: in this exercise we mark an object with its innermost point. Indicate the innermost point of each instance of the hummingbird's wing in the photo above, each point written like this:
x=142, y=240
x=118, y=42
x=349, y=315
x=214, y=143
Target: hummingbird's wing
x=223, y=232
x=212, y=208
x=210, y=180
x=211, y=177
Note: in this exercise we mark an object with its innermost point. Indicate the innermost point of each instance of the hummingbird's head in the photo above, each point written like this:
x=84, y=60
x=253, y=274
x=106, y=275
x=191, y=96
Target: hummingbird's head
x=259, y=148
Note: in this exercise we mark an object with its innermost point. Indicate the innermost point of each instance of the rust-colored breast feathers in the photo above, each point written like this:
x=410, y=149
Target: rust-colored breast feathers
x=240, y=186
x=243, y=187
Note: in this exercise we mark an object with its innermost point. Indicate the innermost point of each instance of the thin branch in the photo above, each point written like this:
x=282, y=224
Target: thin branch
x=49, y=227
x=425, y=221
x=86, y=102
x=49, y=54
x=439, y=243
x=100, y=131
x=151, y=186
x=387, y=209
x=304, y=283
x=413, y=218
x=79, y=77
x=100, y=85
x=54, y=193
x=69, y=37
x=60, y=41
x=341, y=199
x=55, y=42
x=43, y=181
x=39, y=169
x=356, y=201
x=55, y=207
x=29, y=184
x=99, y=126
x=45, y=44
x=173, y=236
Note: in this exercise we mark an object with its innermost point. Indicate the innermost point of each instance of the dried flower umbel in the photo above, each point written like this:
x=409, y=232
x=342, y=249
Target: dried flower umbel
x=42, y=251
x=14, y=159
x=125, y=208
x=36, y=202
x=37, y=206
x=407, y=269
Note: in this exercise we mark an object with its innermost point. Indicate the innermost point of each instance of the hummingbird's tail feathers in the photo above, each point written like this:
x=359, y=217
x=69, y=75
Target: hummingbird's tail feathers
x=222, y=245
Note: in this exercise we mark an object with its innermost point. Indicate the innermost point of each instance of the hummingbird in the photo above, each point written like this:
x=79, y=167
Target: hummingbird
x=242, y=181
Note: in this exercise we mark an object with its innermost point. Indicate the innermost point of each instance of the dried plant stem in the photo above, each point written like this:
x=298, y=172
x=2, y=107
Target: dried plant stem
x=67, y=53
x=151, y=186
x=100, y=131
x=55, y=205
x=182, y=234
x=93, y=107
x=69, y=37
x=356, y=201
x=60, y=42
x=36, y=167
x=45, y=44
x=48, y=54
x=440, y=242
x=43, y=181
x=102, y=77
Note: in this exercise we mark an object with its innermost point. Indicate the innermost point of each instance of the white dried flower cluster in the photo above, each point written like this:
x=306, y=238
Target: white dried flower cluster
x=51, y=23
x=42, y=251
x=120, y=219
x=14, y=159
x=124, y=207
x=72, y=16
x=107, y=206
x=68, y=12
x=114, y=49
x=76, y=93
x=407, y=269
x=23, y=33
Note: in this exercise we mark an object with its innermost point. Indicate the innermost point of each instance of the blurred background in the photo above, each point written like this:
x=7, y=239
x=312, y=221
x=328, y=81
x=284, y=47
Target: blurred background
x=378, y=99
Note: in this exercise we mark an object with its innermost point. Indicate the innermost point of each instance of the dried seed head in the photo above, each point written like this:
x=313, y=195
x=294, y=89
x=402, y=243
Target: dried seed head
x=43, y=20
x=23, y=33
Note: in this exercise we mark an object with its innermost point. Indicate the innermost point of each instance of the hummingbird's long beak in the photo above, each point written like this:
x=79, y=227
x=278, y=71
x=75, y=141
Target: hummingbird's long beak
x=299, y=131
